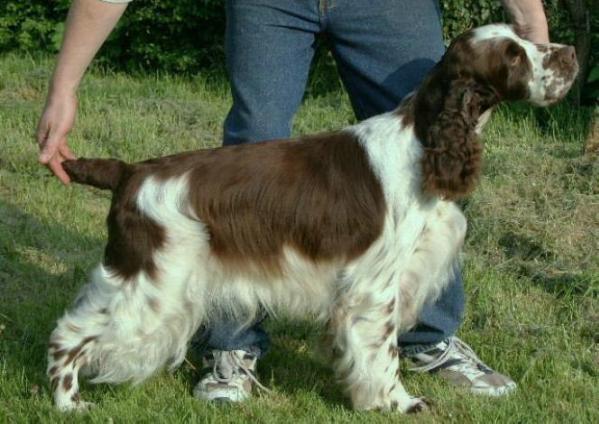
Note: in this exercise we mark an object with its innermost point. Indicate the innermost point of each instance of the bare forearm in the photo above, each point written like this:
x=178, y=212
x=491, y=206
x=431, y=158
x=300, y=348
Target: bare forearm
x=88, y=25
x=529, y=19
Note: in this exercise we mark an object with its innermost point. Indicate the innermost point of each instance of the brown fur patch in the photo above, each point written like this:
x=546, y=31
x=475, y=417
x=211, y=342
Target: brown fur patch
x=390, y=306
x=73, y=354
x=67, y=382
x=405, y=111
x=76, y=351
x=59, y=354
x=317, y=195
x=154, y=304
x=101, y=173
x=417, y=407
x=560, y=60
x=389, y=329
x=132, y=237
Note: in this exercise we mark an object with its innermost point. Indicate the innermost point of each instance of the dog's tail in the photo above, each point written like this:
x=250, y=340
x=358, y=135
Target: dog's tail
x=106, y=174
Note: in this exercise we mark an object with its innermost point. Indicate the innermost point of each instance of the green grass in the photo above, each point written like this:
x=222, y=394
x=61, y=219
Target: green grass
x=531, y=261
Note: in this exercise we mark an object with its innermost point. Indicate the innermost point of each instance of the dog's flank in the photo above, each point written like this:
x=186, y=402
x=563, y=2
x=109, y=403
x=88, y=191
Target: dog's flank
x=352, y=226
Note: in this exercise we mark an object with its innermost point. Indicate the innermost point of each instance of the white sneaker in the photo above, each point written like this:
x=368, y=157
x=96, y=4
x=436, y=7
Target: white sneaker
x=457, y=363
x=229, y=376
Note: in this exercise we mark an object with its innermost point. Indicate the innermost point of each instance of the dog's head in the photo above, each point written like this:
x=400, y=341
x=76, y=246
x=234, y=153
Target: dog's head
x=496, y=59
x=481, y=68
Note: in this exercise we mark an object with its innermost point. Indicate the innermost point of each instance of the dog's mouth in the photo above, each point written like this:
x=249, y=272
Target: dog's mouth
x=555, y=95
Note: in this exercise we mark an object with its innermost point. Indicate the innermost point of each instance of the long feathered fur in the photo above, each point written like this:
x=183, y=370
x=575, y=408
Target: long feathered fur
x=452, y=157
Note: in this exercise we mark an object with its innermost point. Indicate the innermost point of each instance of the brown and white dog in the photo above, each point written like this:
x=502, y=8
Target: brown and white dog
x=356, y=227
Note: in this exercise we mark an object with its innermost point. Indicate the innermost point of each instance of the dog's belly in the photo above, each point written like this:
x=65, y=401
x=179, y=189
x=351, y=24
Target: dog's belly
x=299, y=287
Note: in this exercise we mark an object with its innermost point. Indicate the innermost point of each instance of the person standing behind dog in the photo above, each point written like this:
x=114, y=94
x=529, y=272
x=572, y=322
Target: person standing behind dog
x=383, y=48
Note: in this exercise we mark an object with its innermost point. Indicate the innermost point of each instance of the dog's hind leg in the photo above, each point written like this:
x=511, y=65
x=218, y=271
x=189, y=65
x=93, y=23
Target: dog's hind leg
x=64, y=362
x=123, y=331
x=72, y=342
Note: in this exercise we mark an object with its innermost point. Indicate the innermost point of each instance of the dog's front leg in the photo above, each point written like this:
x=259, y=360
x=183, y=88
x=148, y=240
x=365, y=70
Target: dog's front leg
x=364, y=334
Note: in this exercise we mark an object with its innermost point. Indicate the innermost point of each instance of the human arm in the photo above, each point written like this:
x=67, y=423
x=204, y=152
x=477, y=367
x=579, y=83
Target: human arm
x=88, y=24
x=529, y=19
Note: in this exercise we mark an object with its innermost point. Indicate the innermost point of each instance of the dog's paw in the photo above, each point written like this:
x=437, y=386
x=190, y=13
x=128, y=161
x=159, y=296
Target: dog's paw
x=83, y=406
x=417, y=405
x=75, y=406
x=409, y=405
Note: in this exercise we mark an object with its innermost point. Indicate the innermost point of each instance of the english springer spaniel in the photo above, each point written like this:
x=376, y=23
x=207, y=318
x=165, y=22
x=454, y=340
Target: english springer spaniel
x=356, y=227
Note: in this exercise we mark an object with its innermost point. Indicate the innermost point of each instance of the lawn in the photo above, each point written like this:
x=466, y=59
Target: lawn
x=531, y=260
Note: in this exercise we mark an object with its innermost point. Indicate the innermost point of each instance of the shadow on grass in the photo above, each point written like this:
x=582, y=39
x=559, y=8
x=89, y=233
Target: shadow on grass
x=522, y=247
x=530, y=259
x=31, y=298
x=560, y=283
x=563, y=121
x=298, y=361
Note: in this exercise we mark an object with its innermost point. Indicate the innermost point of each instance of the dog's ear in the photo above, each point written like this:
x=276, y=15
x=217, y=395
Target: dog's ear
x=452, y=153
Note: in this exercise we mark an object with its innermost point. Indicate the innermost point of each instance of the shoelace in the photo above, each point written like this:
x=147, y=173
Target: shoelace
x=231, y=358
x=454, y=345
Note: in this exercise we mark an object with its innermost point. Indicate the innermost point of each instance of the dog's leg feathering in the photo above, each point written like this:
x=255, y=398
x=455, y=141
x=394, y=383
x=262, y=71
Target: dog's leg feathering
x=432, y=264
x=72, y=343
x=364, y=333
x=123, y=330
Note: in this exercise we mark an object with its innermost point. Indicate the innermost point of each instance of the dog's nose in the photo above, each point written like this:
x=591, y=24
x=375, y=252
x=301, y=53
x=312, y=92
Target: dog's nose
x=567, y=55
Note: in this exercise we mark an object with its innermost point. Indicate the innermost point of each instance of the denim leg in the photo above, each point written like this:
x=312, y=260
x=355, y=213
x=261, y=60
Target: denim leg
x=226, y=334
x=269, y=47
x=383, y=51
x=438, y=320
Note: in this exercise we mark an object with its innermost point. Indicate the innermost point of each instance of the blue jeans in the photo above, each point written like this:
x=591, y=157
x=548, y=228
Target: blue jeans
x=383, y=48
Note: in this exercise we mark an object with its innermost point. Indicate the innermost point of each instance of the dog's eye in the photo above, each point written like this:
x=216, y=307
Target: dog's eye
x=514, y=54
x=515, y=60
